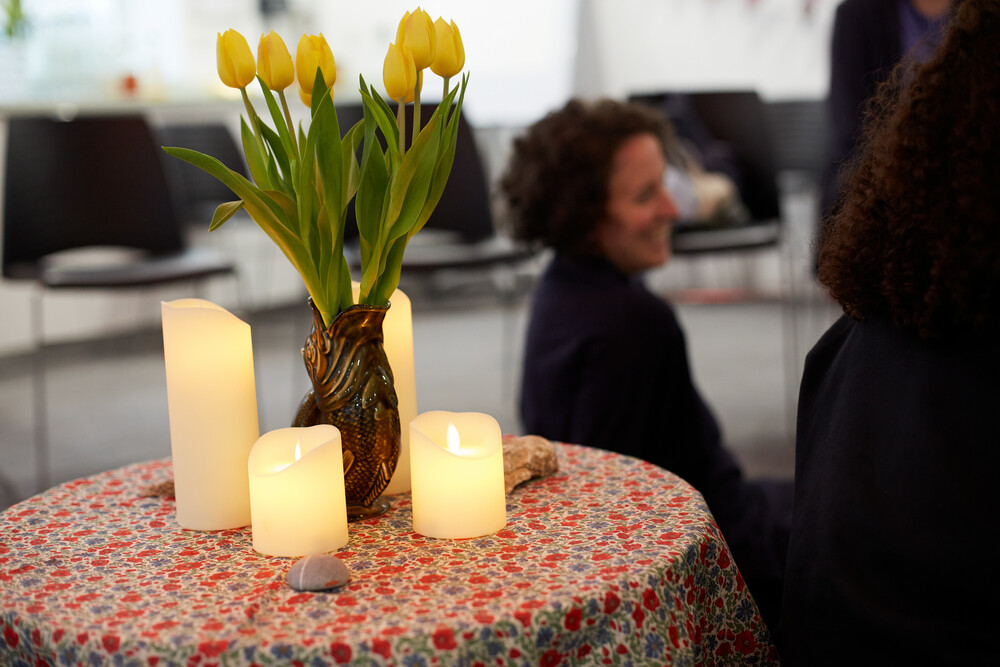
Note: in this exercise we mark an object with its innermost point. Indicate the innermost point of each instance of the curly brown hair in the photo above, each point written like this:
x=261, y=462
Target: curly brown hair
x=917, y=234
x=556, y=182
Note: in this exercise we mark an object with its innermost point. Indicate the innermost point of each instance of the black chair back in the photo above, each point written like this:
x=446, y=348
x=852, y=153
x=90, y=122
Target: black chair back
x=92, y=181
x=197, y=192
x=799, y=128
x=738, y=120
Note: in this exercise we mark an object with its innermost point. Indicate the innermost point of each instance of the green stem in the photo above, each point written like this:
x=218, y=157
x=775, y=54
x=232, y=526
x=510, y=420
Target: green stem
x=401, y=124
x=416, y=106
x=288, y=121
x=251, y=111
x=444, y=93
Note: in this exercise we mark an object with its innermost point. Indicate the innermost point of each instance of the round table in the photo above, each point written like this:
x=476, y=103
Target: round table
x=611, y=560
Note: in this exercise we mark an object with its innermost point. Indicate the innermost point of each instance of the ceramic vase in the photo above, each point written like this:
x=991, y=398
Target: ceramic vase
x=352, y=389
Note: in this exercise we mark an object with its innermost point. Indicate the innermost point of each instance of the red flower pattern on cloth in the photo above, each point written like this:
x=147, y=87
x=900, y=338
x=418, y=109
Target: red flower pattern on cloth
x=609, y=561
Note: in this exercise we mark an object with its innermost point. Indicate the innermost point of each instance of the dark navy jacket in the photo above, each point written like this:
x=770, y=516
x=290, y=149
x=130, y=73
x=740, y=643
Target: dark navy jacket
x=606, y=366
x=891, y=559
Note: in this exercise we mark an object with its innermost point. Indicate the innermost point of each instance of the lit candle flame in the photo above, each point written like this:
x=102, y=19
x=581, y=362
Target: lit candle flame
x=298, y=455
x=453, y=439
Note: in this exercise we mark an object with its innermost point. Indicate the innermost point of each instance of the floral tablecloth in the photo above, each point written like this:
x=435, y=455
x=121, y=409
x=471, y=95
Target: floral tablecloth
x=609, y=561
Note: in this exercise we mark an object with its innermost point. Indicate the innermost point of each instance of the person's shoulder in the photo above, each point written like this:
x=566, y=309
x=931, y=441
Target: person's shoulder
x=597, y=298
x=643, y=315
x=834, y=336
x=852, y=12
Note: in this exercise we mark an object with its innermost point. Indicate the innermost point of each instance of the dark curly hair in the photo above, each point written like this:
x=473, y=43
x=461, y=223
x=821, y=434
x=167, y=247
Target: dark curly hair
x=556, y=182
x=916, y=237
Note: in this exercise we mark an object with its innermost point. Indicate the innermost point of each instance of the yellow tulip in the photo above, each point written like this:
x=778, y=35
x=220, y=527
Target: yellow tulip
x=399, y=75
x=450, y=53
x=416, y=32
x=234, y=60
x=313, y=52
x=274, y=62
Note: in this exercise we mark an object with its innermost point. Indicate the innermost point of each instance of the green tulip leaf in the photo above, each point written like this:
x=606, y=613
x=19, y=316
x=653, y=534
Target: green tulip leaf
x=408, y=191
x=326, y=128
x=346, y=292
x=349, y=155
x=279, y=168
x=370, y=202
x=278, y=118
x=223, y=212
x=389, y=280
x=442, y=169
x=253, y=148
x=386, y=123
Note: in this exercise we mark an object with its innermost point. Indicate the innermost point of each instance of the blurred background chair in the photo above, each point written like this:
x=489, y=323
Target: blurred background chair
x=799, y=133
x=734, y=123
x=197, y=193
x=86, y=184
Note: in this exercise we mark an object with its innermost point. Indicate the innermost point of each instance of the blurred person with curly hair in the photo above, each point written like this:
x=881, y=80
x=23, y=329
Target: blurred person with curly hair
x=898, y=433
x=605, y=361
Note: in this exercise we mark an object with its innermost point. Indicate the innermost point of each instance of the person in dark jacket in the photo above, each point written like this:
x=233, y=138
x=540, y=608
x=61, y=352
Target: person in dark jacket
x=898, y=442
x=869, y=38
x=606, y=361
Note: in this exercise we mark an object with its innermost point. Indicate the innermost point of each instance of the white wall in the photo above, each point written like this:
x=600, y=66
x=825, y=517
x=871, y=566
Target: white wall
x=777, y=47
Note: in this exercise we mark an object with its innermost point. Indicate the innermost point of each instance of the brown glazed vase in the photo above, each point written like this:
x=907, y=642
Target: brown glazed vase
x=353, y=390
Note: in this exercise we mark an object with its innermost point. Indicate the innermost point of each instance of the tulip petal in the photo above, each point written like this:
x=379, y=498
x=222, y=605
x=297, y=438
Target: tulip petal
x=274, y=62
x=312, y=52
x=450, y=55
x=234, y=60
x=420, y=38
x=399, y=74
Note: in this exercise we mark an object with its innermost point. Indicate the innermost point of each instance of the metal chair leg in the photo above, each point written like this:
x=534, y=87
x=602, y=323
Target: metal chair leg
x=43, y=479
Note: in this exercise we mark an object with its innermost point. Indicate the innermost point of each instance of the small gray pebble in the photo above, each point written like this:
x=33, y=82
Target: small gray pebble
x=318, y=572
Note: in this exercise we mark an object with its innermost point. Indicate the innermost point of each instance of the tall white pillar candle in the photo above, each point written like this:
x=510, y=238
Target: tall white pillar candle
x=297, y=491
x=397, y=333
x=456, y=468
x=212, y=404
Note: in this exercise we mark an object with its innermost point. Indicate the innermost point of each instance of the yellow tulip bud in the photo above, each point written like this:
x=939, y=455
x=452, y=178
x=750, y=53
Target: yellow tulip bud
x=313, y=52
x=234, y=60
x=450, y=53
x=274, y=62
x=399, y=75
x=416, y=32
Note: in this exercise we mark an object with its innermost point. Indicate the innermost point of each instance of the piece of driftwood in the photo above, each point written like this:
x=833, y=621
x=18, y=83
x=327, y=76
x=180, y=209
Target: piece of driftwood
x=525, y=457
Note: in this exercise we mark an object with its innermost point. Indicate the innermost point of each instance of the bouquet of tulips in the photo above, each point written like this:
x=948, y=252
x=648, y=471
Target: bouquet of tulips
x=303, y=179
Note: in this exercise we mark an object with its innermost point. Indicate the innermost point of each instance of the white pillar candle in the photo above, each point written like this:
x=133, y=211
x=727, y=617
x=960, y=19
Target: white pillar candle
x=397, y=333
x=456, y=468
x=212, y=405
x=297, y=491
